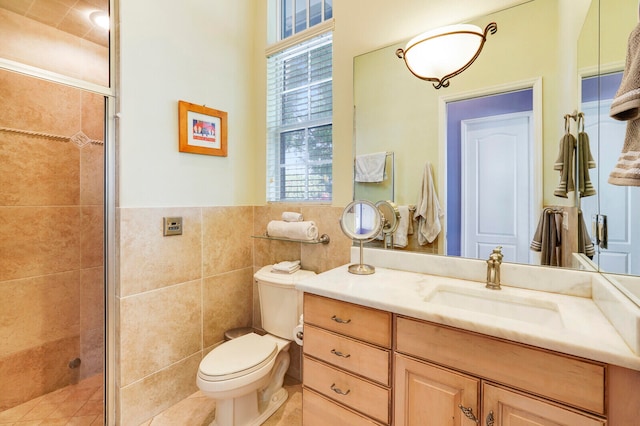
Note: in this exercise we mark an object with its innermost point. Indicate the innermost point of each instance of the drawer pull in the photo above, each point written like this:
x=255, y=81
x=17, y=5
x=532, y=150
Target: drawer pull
x=338, y=353
x=469, y=413
x=490, y=418
x=340, y=320
x=338, y=390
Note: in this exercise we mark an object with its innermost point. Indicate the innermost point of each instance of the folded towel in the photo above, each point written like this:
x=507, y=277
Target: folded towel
x=370, y=167
x=626, y=107
x=292, y=217
x=286, y=267
x=306, y=230
x=428, y=211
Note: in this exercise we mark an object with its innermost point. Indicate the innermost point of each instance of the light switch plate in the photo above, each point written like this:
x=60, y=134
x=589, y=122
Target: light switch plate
x=172, y=226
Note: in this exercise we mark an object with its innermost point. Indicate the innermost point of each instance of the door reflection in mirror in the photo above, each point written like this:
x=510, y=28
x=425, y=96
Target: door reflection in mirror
x=490, y=176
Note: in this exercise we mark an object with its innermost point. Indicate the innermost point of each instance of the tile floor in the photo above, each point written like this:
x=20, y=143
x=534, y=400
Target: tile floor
x=198, y=410
x=81, y=404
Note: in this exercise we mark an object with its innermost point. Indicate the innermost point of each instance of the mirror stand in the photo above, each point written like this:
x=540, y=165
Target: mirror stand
x=361, y=268
x=361, y=221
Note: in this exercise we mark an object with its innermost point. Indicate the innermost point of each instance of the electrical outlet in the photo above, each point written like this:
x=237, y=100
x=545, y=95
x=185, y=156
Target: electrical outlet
x=172, y=226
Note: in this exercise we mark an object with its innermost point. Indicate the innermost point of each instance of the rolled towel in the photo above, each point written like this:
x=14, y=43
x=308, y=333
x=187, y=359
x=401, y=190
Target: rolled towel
x=306, y=230
x=292, y=217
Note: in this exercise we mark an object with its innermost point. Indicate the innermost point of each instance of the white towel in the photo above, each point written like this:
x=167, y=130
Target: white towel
x=306, y=230
x=400, y=237
x=370, y=167
x=292, y=217
x=286, y=267
x=428, y=210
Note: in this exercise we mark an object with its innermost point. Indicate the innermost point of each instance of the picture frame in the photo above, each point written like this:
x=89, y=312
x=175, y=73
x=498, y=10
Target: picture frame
x=202, y=130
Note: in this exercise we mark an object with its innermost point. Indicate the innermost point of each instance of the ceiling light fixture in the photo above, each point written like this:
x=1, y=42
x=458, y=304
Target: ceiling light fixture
x=100, y=19
x=443, y=53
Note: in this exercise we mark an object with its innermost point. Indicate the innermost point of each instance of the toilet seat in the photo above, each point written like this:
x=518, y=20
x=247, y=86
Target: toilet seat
x=237, y=357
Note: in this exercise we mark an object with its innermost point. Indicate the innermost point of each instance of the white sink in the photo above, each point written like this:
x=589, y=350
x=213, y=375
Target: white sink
x=498, y=303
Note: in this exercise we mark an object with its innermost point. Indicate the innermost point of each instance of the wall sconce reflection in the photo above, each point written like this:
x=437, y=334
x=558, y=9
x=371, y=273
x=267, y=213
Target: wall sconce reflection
x=443, y=53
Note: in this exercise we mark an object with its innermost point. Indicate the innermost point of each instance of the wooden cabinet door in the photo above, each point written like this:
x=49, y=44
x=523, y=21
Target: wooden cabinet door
x=503, y=407
x=427, y=395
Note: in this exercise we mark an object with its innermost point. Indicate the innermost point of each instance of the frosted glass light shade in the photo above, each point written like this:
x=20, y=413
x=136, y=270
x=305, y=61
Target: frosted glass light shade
x=440, y=54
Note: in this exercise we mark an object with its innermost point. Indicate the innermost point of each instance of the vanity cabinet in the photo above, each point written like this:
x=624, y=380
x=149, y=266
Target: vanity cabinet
x=364, y=366
x=440, y=369
x=346, y=363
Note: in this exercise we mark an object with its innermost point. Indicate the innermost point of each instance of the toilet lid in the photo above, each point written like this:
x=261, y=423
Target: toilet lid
x=238, y=357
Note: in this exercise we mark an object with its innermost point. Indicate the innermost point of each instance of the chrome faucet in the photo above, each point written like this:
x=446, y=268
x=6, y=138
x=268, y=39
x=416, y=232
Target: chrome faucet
x=493, y=269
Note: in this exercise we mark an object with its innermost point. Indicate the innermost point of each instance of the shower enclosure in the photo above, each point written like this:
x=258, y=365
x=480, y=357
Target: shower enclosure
x=54, y=80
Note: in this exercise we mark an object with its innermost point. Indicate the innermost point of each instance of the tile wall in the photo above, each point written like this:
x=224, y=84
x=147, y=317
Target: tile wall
x=51, y=234
x=178, y=295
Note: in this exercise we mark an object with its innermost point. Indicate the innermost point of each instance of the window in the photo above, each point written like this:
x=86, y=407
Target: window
x=298, y=15
x=300, y=111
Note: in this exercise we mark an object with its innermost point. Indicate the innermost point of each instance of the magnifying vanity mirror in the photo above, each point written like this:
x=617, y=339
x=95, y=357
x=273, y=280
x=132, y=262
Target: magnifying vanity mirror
x=362, y=222
x=390, y=221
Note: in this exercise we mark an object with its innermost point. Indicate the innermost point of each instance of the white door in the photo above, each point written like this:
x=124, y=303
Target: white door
x=618, y=203
x=497, y=192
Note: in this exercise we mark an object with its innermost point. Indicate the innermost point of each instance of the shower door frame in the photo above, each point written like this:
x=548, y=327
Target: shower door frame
x=109, y=94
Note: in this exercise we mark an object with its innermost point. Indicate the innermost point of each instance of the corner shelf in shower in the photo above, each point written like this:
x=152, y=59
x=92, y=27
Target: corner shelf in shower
x=323, y=239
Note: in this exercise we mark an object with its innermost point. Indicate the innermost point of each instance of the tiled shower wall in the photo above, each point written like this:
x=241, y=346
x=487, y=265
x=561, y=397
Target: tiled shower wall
x=51, y=234
x=178, y=295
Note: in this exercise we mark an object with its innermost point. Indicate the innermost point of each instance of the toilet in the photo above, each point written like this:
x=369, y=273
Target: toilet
x=245, y=374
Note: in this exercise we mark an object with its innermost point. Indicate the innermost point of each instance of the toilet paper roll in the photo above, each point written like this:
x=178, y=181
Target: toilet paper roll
x=298, y=332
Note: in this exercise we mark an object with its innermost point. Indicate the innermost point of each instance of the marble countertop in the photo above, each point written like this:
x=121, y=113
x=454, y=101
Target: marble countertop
x=585, y=332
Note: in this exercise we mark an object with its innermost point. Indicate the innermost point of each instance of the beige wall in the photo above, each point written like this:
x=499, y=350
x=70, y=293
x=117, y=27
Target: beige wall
x=51, y=228
x=179, y=294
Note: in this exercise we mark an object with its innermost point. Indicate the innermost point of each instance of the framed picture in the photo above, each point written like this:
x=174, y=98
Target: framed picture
x=202, y=130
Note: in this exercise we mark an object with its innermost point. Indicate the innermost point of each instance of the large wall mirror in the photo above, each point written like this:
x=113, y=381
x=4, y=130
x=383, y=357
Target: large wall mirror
x=493, y=137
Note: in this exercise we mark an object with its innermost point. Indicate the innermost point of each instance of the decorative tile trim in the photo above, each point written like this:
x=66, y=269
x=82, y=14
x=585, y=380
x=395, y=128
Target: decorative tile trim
x=80, y=139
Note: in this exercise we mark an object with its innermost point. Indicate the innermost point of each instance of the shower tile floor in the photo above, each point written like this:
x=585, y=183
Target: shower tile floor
x=81, y=404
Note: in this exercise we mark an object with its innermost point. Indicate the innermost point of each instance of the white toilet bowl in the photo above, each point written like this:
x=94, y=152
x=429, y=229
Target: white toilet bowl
x=245, y=375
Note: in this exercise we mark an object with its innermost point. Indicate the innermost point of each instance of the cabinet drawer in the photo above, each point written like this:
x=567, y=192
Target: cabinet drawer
x=369, y=361
x=566, y=379
x=349, y=390
x=370, y=325
x=319, y=411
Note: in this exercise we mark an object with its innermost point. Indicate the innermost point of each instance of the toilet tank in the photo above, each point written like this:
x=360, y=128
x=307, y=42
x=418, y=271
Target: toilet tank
x=280, y=302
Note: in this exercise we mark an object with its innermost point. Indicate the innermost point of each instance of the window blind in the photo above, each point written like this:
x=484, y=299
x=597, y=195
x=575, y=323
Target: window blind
x=299, y=121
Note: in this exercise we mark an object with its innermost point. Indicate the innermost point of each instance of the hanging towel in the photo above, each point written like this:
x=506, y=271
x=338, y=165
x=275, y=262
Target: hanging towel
x=586, y=162
x=564, y=164
x=306, y=230
x=370, y=167
x=585, y=245
x=626, y=107
x=400, y=236
x=428, y=211
x=547, y=237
